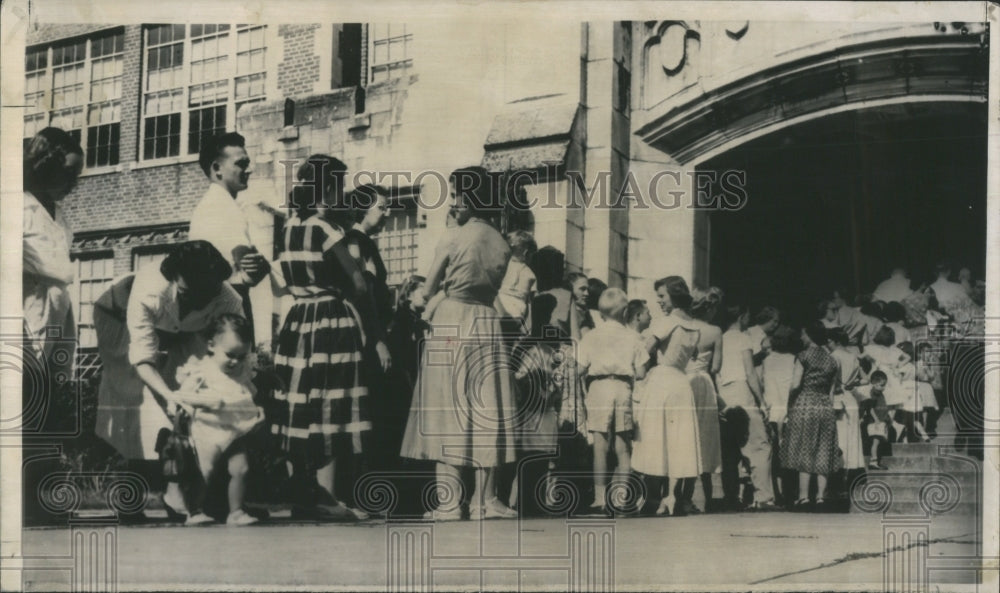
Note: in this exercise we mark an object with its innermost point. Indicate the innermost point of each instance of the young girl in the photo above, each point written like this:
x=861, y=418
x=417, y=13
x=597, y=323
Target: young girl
x=217, y=391
x=877, y=420
x=778, y=369
x=910, y=411
x=519, y=283
x=929, y=377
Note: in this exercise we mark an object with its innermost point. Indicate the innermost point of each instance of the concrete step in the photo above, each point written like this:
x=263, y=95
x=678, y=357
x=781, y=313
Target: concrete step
x=915, y=509
x=931, y=449
x=932, y=463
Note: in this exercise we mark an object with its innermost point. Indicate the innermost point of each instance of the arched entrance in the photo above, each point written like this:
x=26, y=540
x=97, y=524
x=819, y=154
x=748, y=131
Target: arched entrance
x=864, y=147
x=840, y=200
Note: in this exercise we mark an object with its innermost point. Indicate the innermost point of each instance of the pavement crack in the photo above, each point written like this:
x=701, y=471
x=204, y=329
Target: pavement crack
x=862, y=556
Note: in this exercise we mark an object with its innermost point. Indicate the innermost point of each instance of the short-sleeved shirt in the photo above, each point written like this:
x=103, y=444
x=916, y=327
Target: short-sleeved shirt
x=611, y=349
x=152, y=306
x=734, y=344
x=477, y=262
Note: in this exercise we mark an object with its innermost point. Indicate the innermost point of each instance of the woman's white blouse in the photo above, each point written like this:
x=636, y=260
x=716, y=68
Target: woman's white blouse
x=153, y=306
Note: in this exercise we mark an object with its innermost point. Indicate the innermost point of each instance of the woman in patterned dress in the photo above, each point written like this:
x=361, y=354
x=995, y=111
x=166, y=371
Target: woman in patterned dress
x=810, y=443
x=318, y=360
x=463, y=413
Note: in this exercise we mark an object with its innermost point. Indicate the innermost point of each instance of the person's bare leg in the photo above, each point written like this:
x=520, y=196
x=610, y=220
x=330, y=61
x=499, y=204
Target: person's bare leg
x=623, y=470
x=803, y=486
x=238, y=468
x=820, y=487
x=325, y=477
x=600, y=467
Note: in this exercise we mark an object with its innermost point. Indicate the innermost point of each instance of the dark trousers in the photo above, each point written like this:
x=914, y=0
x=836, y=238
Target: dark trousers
x=965, y=393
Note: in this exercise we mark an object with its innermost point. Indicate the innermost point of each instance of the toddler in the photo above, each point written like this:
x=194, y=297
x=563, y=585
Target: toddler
x=216, y=391
x=877, y=419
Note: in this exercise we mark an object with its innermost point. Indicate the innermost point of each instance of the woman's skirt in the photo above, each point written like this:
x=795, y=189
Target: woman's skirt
x=463, y=411
x=706, y=403
x=849, y=432
x=318, y=364
x=666, y=441
x=810, y=441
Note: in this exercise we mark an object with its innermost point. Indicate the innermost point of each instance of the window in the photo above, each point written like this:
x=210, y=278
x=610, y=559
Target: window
x=142, y=259
x=93, y=277
x=195, y=77
x=388, y=51
x=397, y=242
x=77, y=86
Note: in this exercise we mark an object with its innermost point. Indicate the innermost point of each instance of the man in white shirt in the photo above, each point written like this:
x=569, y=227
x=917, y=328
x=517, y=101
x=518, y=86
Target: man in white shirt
x=894, y=288
x=218, y=218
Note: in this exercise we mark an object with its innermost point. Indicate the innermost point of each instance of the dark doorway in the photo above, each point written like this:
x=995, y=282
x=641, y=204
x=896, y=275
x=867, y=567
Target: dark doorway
x=841, y=200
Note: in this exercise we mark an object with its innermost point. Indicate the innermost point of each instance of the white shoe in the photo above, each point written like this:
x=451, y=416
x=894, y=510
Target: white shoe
x=240, y=518
x=199, y=519
x=493, y=509
x=359, y=514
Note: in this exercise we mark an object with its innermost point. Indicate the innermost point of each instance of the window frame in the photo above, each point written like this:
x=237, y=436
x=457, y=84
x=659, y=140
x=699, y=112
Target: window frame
x=406, y=38
x=77, y=288
x=47, y=93
x=186, y=86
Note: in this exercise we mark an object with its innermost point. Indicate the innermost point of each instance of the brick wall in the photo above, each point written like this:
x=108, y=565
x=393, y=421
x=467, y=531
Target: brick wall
x=299, y=71
x=48, y=33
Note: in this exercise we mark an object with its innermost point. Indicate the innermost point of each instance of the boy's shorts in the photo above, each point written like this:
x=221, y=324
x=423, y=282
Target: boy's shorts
x=609, y=405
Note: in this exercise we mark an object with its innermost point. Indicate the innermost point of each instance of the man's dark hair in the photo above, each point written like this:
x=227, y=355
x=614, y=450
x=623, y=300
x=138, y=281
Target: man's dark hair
x=212, y=148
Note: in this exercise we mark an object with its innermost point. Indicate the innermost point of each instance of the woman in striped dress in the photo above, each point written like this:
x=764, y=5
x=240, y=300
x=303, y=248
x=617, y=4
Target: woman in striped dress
x=318, y=360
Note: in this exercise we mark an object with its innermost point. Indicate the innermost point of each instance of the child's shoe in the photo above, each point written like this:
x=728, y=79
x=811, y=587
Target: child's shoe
x=198, y=519
x=240, y=518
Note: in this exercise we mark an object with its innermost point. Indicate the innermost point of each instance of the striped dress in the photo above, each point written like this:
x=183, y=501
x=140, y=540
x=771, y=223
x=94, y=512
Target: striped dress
x=319, y=350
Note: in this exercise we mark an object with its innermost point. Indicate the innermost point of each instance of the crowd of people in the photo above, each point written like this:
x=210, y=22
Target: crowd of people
x=501, y=367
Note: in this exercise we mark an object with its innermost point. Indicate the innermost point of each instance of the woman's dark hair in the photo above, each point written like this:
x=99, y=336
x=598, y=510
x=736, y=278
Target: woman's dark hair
x=784, y=340
x=572, y=279
x=480, y=191
x=549, y=266
x=195, y=260
x=679, y=293
x=705, y=303
x=230, y=322
x=878, y=376
x=324, y=177
x=894, y=312
x=884, y=336
x=362, y=198
x=634, y=308
x=406, y=290
x=595, y=288
x=732, y=314
x=836, y=335
x=872, y=309
x=907, y=349
x=816, y=332
x=766, y=315
x=45, y=158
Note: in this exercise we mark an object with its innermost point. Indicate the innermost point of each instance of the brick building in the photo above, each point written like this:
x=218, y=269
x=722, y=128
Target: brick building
x=597, y=110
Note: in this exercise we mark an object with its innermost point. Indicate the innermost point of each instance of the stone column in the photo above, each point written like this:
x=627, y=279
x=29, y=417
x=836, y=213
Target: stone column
x=661, y=225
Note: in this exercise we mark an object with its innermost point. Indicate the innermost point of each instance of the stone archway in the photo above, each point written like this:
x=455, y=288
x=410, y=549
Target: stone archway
x=706, y=88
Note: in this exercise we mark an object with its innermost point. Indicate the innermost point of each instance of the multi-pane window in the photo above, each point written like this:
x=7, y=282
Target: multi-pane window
x=388, y=51
x=77, y=86
x=397, y=243
x=142, y=259
x=93, y=277
x=195, y=78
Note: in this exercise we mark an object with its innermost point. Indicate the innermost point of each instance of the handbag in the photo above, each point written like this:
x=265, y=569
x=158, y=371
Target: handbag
x=878, y=429
x=178, y=458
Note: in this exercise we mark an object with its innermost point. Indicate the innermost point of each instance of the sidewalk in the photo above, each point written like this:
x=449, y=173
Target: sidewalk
x=764, y=551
